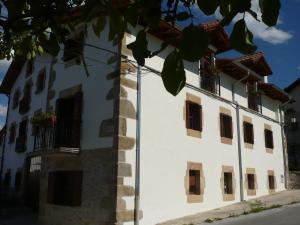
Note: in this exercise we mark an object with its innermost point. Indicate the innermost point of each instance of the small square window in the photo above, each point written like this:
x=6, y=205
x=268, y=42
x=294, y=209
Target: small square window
x=251, y=181
x=194, y=182
x=12, y=133
x=29, y=67
x=193, y=116
x=40, y=83
x=228, y=188
x=64, y=188
x=226, y=126
x=248, y=133
x=269, y=139
x=271, y=182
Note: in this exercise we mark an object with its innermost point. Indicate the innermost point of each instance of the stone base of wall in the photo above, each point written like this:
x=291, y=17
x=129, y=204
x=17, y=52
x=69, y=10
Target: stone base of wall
x=294, y=182
x=99, y=188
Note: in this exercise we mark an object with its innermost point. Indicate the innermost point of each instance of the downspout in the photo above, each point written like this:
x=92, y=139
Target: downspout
x=237, y=108
x=137, y=156
x=4, y=143
x=284, y=146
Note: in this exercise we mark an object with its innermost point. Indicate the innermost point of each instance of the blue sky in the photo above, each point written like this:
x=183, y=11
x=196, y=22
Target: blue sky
x=281, y=46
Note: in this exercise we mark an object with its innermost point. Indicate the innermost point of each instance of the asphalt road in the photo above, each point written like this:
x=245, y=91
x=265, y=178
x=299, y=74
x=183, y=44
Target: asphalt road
x=286, y=215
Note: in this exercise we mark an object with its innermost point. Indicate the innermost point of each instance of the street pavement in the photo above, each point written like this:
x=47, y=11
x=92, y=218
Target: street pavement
x=286, y=215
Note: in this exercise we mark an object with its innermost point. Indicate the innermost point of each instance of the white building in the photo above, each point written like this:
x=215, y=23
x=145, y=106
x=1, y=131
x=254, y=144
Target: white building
x=218, y=142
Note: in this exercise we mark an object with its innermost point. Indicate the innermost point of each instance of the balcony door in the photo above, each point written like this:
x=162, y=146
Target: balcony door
x=68, y=121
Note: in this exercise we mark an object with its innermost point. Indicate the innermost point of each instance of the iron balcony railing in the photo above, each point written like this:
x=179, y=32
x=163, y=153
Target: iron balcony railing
x=210, y=83
x=62, y=134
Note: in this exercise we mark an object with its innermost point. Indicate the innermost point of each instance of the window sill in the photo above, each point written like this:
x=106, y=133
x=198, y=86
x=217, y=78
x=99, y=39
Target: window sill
x=271, y=191
x=251, y=192
x=269, y=150
x=248, y=146
x=194, y=198
x=227, y=141
x=194, y=133
x=228, y=197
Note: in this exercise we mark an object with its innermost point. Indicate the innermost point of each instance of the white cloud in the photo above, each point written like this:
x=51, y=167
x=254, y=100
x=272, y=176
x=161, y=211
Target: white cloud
x=298, y=67
x=3, y=110
x=273, y=35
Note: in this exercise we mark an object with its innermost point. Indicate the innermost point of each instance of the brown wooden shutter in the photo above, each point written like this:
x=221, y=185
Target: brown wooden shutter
x=230, y=126
x=200, y=117
x=77, y=188
x=187, y=114
x=50, y=192
x=77, y=118
x=222, y=125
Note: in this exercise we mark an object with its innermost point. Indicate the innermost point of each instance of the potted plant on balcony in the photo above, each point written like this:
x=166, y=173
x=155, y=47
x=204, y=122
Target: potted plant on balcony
x=44, y=119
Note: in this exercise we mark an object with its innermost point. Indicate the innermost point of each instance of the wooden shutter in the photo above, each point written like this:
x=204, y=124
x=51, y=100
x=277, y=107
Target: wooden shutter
x=50, y=192
x=77, y=188
x=230, y=127
x=222, y=132
x=269, y=139
x=187, y=114
x=77, y=114
x=200, y=117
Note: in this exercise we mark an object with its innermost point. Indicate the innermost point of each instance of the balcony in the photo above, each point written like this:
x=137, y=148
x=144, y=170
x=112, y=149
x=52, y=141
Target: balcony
x=20, y=144
x=254, y=102
x=63, y=136
x=210, y=83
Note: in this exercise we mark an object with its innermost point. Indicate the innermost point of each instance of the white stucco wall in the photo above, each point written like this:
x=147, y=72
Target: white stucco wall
x=95, y=87
x=166, y=148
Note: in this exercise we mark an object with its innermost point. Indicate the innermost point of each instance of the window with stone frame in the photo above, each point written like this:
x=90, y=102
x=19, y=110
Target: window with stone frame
x=269, y=139
x=194, y=182
x=64, y=188
x=29, y=67
x=24, y=105
x=73, y=48
x=12, y=133
x=193, y=116
x=226, y=126
x=228, y=184
x=18, y=180
x=248, y=133
x=271, y=179
x=7, y=178
x=16, y=98
x=251, y=181
x=22, y=138
x=40, y=82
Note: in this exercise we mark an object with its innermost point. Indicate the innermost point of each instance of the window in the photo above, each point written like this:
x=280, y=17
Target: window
x=40, y=83
x=12, y=133
x=194, y=182
x=193, y=116
x=271, y=182
x=209, y=81
x=29, y=67
x=64, y=188
x=251, y=181
x=18, y=179
x=254, y=99
x=226, y=126
x=21, y=139
x=16, y=98
x=248, y=133
x=228, y=189
x=269, y=139
x=7, y=178
x=73, y=48
x=25, y=102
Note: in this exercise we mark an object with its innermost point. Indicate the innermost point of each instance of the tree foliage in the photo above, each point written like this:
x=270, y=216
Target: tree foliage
x=32, y=27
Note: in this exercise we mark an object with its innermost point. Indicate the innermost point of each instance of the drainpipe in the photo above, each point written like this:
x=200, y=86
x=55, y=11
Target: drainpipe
x=284, y=147
x=239, y=135
x=137, y=157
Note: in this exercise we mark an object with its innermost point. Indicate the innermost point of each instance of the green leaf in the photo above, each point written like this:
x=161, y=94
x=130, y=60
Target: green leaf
x=131, y=15
x=140, y=48
x=50, y=45
x=100, y=24
x=173, y=74
x=208, y=6
x=116, y=25
x=253, y=14
x=225, y=7
x=183, y=16
x=241, y=38
x=194, y=43
x=270, y=11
